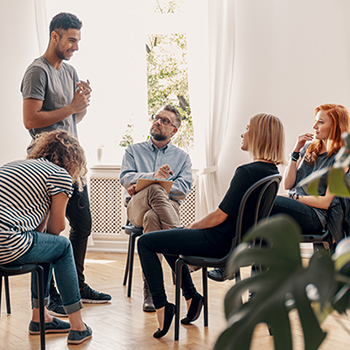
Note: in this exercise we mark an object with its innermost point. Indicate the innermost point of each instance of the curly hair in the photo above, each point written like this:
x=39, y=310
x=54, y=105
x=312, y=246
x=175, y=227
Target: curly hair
x=63, y=150
x=340, y=123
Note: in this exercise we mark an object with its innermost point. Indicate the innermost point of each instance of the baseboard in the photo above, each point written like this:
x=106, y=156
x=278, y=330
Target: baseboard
x=108, y=246
x=118, y=246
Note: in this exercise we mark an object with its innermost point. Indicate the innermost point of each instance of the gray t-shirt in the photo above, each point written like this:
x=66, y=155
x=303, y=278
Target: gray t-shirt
x=54, y=87
x=305, y=169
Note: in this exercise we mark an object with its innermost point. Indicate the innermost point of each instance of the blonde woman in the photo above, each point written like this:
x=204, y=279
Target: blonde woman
x=211, y=236
x=33, y=197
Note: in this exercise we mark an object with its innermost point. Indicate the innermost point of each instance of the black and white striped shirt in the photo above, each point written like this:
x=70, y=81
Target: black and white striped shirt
x=26, y=188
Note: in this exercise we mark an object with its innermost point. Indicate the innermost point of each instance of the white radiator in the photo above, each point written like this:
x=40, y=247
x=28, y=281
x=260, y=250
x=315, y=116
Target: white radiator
x=107, y=208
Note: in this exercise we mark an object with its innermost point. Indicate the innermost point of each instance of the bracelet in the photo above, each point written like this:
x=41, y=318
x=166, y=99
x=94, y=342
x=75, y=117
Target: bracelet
x=294, y=196
x=295, y=156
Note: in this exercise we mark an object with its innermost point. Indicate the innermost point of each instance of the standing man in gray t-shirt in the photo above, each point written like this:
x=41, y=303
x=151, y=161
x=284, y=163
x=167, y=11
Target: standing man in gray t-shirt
x=54, y=98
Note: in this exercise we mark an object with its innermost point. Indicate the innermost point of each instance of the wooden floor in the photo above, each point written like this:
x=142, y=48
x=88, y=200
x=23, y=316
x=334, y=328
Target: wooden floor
x=122, y=324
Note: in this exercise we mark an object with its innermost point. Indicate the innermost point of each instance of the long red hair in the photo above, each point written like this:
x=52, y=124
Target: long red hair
x=340, y=123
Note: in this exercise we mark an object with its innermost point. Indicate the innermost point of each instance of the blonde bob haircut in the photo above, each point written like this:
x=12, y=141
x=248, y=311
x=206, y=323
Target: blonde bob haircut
x=64, y=150
x=266, y=138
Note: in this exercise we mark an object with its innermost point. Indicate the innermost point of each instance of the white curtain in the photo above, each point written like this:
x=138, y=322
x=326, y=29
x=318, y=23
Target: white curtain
x=42, y=25
x=221, y=45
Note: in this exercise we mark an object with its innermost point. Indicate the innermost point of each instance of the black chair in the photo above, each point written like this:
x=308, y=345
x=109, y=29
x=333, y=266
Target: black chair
x=5, y=272
x=266, y=191
x=318, y=240
x=326, y=235
x=133, y=232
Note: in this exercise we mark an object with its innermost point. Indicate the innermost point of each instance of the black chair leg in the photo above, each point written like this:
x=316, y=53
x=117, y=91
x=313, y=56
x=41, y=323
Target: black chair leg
x=205, y=295
x=7, y=294
x=127, y=264
x=40, y=277
x=0, y=291
x=174, y=277
x=178, y=272
x=131, y=261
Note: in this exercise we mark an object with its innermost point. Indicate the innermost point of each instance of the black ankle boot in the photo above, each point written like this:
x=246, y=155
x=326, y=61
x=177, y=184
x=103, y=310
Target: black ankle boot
x=148, y=305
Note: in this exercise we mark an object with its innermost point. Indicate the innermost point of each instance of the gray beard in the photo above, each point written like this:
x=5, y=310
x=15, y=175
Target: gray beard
x=158, y=137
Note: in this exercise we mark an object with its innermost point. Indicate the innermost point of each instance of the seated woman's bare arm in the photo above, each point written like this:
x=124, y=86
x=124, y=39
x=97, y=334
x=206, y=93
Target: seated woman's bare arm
x=212, y=219
x=321, y=202
x=56, y=222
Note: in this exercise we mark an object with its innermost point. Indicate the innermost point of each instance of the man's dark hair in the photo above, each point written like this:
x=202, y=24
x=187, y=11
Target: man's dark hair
x=65, y=21
x=172, y=109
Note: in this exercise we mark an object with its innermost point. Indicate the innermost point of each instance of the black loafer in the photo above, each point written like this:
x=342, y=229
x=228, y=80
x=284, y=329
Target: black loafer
x=169, y=313
x=56, y=326
x=219, y=275
x=195, y=309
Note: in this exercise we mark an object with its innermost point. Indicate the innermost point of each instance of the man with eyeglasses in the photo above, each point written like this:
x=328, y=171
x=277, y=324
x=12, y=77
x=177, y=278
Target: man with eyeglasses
x=152, y=208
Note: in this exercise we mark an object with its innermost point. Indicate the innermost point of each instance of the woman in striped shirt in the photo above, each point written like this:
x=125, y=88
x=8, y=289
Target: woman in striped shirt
x=33, y=197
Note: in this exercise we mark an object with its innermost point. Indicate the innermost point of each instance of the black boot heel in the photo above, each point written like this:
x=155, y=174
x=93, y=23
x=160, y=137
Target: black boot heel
x=169, y=312
x=195, y=309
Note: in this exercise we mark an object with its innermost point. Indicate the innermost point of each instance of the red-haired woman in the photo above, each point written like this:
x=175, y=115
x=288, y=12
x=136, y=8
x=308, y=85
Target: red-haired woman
x=311, y=153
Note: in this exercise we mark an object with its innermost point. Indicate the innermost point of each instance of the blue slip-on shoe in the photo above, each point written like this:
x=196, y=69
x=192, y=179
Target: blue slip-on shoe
x=89, y=295
x=77, y=337
x=56, y=326
x=54, y=308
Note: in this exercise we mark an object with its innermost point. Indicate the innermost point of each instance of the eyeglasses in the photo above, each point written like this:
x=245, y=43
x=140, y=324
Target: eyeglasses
x=164, y=121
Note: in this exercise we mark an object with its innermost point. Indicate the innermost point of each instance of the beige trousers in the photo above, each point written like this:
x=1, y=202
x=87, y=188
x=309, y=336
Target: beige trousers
x=152, y=209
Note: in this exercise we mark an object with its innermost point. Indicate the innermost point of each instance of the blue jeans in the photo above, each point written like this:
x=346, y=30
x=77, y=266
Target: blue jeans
x=52, y=251
x=304, y=215
x=171, y=243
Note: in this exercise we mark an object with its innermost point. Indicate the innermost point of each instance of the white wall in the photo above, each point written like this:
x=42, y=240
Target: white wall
x=291, y=55
x=112, y=56
x=17, y=30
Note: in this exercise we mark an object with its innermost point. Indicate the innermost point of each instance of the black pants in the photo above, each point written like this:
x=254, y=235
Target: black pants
x=304, y=215
x=79, y=215
x=172, y=243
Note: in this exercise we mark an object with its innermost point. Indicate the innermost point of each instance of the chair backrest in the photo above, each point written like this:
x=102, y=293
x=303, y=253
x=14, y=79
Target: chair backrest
x=262, y=195
x=265, y=192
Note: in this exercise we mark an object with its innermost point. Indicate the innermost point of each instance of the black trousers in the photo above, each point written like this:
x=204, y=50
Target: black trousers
x=79, y=216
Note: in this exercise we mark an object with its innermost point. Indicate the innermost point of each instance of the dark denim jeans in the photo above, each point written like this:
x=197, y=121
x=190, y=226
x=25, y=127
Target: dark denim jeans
x=79, y=216
x=53, y=251
x=304, y=215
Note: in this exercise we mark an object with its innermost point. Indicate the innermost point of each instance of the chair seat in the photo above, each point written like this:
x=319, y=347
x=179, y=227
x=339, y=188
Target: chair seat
x=324, y=237
x=203, y=261
x=17, y=270
x=316, y=238
x=129, y=229
x=6, y=271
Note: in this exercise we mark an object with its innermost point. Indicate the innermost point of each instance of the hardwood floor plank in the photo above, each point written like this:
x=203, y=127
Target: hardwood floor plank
x=123, y=325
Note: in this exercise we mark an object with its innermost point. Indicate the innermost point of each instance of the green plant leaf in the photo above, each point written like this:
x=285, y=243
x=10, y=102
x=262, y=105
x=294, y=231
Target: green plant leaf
x=284, y=284
x=336, y=182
